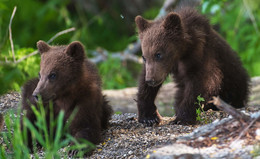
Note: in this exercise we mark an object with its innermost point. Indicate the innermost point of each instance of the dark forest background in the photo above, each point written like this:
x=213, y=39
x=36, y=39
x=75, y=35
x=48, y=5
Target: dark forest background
x=108, y=25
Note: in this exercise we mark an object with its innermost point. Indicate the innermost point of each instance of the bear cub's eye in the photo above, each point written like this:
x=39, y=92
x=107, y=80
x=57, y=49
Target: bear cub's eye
x=158, y=56
x=144, y=59
x=52, y=76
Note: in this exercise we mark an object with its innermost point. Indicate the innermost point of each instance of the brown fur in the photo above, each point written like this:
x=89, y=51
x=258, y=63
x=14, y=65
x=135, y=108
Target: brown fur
x=202, y=63
x=70, y=81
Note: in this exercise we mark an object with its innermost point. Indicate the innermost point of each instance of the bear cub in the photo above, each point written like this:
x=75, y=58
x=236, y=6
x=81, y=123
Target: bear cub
x=202, y=63
x=69, y=81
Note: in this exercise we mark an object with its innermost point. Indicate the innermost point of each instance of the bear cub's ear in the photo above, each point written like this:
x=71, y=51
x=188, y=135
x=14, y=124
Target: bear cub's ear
x=42, y=46
x=76, y=50
x=141, y=23
x=172, y=22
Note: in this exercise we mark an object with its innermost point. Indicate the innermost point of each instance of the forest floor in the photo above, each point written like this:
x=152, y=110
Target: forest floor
x=126, y=138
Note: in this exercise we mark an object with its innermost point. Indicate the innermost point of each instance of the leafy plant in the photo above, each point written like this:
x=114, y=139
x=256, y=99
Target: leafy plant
x=239, y=23
x=201, y=115
x=200, y=109
x=14, y=142
x=118, y=113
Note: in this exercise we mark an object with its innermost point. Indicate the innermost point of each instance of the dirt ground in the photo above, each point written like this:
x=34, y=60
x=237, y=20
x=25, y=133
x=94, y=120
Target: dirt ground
x=124, y=100
x=126, y=138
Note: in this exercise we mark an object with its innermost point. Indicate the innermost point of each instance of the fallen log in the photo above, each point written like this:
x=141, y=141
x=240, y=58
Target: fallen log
x=219, y=103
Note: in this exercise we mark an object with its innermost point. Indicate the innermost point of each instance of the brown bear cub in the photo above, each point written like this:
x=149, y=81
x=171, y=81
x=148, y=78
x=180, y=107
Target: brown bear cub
x=69, y=81
x=202, y=63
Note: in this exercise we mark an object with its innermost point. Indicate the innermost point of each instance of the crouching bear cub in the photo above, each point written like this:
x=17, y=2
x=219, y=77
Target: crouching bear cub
x=202, y=63
x=69, y=81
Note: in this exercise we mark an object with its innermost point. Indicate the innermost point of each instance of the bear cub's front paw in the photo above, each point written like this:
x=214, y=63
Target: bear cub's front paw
x=150, y=120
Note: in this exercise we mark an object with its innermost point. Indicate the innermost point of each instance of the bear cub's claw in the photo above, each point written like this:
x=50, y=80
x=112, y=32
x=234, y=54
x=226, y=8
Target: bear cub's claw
x=150, y=121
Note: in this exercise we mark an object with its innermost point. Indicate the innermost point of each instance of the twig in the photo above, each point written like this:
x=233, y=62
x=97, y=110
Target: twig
x=246, y=129
x=127, y=54
x=60, y=33
x=25, y=57
x=35, y=52
x=229, y=109
x=48, y=42
x=10, y=34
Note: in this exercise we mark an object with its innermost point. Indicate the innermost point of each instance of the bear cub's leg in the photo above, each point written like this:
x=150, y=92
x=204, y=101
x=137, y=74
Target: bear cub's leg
x=184, y=105
x=147, y=110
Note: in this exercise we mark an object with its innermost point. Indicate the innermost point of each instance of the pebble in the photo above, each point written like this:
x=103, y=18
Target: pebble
x=126, y=138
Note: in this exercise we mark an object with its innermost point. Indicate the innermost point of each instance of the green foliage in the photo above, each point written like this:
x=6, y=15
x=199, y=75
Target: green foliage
x=239, y=23
x=115, y=75
x=200, y=109
x=35, y=20
x=151, y=13
x=12, y=76
x=118, y=113
x=14, y=142
x=102, y=33
x=201, y=115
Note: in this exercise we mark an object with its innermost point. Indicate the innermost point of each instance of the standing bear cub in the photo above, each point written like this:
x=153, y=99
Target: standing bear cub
x=202, y=63
x=69, y=81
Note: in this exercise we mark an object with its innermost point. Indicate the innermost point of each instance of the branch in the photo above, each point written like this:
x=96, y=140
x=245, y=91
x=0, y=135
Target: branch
x=10, y=34
x=48, y=42
x=36, y=51
x=102, y=55
x=229, y=109
x=25, y=57
x=60, y=33
x=246, y=129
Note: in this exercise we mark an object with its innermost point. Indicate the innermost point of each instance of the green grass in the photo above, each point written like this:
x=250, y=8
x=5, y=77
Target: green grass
x=14, y=139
